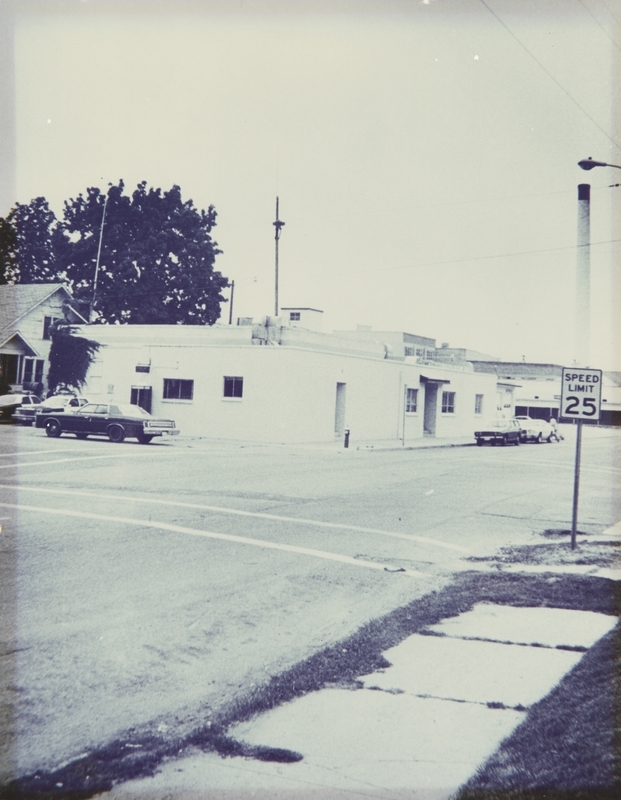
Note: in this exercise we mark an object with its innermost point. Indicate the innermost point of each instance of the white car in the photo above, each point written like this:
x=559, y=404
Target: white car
x=535, y=430
x=25, y=414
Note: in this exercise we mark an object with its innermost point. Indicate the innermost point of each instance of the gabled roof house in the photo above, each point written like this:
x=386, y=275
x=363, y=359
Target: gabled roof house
x=27, y=312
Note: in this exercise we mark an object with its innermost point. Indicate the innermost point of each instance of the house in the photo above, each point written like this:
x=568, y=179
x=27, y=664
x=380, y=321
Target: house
x=27, y=312
x=280, y=383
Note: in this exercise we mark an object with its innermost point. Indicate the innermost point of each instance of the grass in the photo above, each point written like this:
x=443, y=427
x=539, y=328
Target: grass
x=568, y=740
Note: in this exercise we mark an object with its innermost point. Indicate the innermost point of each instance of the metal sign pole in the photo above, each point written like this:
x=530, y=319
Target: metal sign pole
x=574, y=515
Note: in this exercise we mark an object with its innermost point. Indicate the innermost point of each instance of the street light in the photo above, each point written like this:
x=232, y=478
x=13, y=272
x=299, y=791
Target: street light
x=582, y=347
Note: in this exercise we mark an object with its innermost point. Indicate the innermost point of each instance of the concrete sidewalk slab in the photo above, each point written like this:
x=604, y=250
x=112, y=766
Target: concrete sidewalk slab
x=552, y=627
x=472, y=671
x=376, y=741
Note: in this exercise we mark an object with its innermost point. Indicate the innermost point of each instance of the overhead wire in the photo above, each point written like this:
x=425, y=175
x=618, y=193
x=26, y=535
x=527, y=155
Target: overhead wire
x=549, y=74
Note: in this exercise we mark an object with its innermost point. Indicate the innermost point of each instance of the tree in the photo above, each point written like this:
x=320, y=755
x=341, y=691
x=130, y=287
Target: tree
x=156, y=263
x=27, y=251
x=70, y=358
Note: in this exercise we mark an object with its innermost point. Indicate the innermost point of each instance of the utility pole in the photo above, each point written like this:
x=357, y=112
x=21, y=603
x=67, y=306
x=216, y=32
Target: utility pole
x=277, y=225
x=582, y=347
x=231, y=301
x=103, y=219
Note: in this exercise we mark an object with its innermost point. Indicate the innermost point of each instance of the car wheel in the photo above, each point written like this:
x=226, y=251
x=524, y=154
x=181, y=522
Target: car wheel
x=538, y=439
x=116, y=433
x=52, y=428
x=81, y=435
x=479, y=442
x=517, y=440
x=504, y=441
x=144, y=438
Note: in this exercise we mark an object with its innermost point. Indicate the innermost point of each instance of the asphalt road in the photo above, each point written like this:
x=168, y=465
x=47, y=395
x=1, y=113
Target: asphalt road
x=150, y=586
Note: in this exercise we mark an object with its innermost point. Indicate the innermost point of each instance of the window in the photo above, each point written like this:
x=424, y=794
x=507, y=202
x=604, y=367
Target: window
x=294, y=316
x=141, y=396
x=411, y=401
x=409, y=351
x=448, y=402
x=33, y=370
x=478, y=404
x=47, y=324
x=178, y=390
x=233, y=387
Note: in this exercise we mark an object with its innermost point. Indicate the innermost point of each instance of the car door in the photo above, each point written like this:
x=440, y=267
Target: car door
x=86, y=420
x=99, y=419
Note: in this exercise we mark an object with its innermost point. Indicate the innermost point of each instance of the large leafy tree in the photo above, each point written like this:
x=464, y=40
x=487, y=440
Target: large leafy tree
x=70, y=358
x=27, y=252
x=146, y=258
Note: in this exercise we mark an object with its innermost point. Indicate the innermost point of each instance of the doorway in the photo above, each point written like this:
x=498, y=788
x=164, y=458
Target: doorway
x=431, y=408
x=339, y=413
x=141, y=396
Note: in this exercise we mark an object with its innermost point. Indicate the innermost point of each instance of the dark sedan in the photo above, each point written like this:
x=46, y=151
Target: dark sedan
x=499, y=431
x=113, y=420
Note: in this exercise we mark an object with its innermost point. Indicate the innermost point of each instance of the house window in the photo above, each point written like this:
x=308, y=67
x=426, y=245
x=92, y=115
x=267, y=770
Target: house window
x=47, y=324
x=294, y=316
x=33, y=370
x=233, y=387
x=409, y=351
x=448, y=402
x=411, y=401
x=178, y=390
x=478, y=404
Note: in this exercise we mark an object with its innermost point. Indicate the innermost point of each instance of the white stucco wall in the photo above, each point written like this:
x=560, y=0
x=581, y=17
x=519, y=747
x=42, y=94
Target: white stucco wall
x=289, y=392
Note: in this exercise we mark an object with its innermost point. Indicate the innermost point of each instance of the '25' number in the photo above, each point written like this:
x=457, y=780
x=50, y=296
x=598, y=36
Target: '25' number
x=589, y=408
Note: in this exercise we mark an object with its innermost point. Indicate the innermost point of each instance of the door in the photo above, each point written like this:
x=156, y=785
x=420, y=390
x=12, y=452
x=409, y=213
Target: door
x=141, y=396
x=339, y=413
x=431, y=408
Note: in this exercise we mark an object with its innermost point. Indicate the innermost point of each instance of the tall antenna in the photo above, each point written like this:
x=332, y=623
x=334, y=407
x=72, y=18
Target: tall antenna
x=277, y=225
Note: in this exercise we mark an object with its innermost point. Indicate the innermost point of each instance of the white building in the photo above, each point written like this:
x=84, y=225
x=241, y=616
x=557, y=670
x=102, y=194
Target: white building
x=280, y=383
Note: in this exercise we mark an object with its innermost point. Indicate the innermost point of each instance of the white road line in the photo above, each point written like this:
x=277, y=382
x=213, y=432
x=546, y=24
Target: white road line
x=236, y=512
x=227, y=537
x=116, y=455
x=38, y=452
x=556, y=464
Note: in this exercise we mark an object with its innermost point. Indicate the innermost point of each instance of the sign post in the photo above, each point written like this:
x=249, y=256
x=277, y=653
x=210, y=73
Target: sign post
x=581, y=396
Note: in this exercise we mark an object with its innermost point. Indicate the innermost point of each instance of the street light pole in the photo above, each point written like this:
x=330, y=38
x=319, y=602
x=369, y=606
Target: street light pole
x=278, y=226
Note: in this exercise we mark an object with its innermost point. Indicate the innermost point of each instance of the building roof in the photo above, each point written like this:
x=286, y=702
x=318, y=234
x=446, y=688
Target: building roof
x=19, y=299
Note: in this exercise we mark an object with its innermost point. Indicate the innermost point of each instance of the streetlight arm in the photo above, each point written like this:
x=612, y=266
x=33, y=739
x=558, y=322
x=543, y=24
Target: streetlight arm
x=588, y=164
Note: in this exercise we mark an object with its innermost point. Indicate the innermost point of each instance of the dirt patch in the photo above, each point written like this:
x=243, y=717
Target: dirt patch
x=589, y=553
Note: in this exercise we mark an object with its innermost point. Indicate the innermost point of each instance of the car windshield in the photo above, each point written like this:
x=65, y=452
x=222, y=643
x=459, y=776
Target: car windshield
x=128, y=410
x=57, y=401
x=499, y=423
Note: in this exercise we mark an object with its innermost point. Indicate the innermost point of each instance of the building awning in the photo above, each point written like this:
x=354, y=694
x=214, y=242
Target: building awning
x=426, y=379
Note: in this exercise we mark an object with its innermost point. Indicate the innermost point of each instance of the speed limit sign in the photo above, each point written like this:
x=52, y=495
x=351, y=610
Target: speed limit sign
x=581, y=393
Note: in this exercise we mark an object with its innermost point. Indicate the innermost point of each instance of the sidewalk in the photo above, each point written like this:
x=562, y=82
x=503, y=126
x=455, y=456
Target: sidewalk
x=418, y=728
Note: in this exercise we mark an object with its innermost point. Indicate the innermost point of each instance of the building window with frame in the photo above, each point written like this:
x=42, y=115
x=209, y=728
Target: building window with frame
x=233, y=386
x=478, y=404
x=448, y=402
x=175, y=389
x=294, y=316
x=33, y=370
x=47, y=324
x=411, y=401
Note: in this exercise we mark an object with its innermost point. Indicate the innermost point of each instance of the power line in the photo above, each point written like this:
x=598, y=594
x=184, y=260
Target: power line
x=588, y=10
x=488, y=258
x=549, y=74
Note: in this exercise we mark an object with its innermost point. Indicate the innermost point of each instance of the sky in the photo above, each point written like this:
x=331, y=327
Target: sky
x=424, y=153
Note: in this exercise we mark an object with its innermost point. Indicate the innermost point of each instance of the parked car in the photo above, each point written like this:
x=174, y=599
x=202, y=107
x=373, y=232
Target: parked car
x=9, y=403
x=25, y=414
x=535, y=430
x=499, y=431
x=113, y=420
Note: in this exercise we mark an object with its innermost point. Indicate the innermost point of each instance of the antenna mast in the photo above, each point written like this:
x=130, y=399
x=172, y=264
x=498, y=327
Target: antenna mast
x=277, y=225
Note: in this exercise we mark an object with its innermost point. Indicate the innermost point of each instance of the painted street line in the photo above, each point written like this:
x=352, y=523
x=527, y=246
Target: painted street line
x=555, y=464
x=236, y=512
x=40, y=452
x=165, y=526
x=116, y=455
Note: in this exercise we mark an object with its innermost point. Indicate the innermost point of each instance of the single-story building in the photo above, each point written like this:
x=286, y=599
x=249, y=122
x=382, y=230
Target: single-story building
x=273, y=382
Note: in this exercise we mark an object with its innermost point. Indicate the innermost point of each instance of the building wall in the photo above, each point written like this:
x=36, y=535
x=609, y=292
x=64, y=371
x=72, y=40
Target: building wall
x=289, y=391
